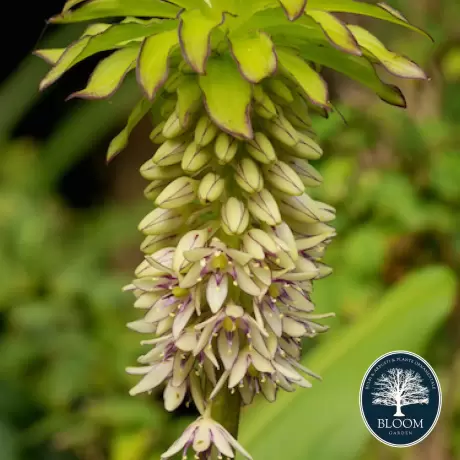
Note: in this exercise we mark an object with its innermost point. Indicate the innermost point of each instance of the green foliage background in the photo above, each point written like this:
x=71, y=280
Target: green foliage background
x=394, y=177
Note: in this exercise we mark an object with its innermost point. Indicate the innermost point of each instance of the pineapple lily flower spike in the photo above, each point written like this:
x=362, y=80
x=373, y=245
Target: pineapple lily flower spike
x=234, y=241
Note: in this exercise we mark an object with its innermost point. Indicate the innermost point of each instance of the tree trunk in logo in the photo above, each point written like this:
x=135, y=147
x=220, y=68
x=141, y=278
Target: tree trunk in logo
x=398, y=412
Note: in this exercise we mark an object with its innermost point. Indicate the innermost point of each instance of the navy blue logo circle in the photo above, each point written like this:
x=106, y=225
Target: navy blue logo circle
x=400, y=399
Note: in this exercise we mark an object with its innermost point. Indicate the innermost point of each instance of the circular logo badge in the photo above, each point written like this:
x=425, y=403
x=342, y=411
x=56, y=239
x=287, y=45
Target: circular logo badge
x=400, y=399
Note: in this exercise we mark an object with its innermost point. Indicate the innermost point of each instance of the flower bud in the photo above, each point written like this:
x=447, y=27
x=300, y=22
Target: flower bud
x=172, y=127
x=154, y=189
x=151, y=171
x=281, y=129
x=248, y=176
x=168, y=108
x=173, y=82
x=306, y=148
x=326, y=211
x=153, y=243
x=253, y=248
x=191, y=240
x=261, y=149
x=263, y=207
x=284, y=233
x=264, y=239
x=178, y=193
x=307, y=173
x=161, y=221
x=305, y=244
x=163, y=257
x=312, y=229
x=156, y=136
x=258, y=243
x=297, y=114
x=170, y=152
x=205, y=131
x=210, y=188
x=324, y=270
x=195, y=157
x=264, y=106
x=235, y=216
x=225, y=148
x=284, y=178
x=305, y=269
x=279, y=91
x=304, y=209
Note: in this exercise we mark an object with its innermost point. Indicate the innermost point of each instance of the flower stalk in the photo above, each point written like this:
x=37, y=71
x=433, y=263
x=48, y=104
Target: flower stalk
x=234, y=241
x=225, y=409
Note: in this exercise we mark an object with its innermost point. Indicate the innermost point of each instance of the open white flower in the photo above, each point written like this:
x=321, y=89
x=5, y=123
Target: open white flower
x=230, y=327
x=201, y=436
x=217, y=264
x=169, y=306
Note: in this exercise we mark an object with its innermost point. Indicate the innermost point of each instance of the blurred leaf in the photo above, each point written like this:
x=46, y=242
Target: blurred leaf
x=337, y=175
x=404, y=320
x=451, y=64
x=445, y=175
x=65, y=430
x=364, y=250
x=346, y=294
x=36, y=316
x=396, y=198
x=441, y=218
x=8, y=441
x=130, y=446
x=125, y=412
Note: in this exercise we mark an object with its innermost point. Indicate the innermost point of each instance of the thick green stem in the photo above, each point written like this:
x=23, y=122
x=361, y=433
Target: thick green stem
x=226, y=410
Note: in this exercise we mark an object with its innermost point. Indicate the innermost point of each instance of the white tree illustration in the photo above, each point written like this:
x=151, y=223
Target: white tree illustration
x=399, y=387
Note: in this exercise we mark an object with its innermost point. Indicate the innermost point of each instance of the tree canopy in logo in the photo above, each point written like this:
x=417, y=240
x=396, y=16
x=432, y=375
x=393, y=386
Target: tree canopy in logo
x=400, y=387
